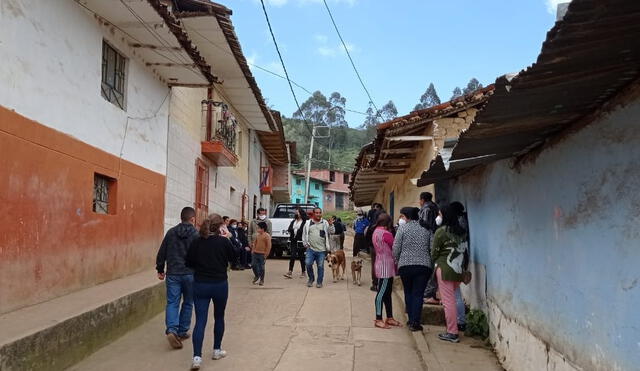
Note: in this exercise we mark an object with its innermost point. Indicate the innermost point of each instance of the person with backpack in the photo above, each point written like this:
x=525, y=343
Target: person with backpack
x=450, y=251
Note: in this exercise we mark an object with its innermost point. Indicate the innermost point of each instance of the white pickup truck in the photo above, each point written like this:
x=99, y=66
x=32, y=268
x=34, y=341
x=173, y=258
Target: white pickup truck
x=280, y=221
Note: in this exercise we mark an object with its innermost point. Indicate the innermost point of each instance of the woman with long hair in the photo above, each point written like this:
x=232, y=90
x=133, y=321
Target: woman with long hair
x=385, y=270
x=295, y=242
x=209, y=256
x=411, y=252
x=449, y=252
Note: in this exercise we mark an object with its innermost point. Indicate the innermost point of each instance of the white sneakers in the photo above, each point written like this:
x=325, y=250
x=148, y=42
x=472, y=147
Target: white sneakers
x=218, y=354
x=197, y=361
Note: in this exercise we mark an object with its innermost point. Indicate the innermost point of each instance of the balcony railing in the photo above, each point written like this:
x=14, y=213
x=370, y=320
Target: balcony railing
x=266, y=180
x=220, y=130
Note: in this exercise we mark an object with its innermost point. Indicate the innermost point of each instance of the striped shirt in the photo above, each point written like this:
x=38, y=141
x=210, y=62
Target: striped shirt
x=385, y=266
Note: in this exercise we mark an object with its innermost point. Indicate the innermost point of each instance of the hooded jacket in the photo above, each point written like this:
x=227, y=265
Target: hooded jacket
x=173, y=250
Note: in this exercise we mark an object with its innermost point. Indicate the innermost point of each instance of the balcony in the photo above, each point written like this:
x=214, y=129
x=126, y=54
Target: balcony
x=221, y=134
x=266, y=180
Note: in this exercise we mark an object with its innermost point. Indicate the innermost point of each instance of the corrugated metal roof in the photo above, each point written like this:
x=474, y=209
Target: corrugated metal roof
x=588, y=57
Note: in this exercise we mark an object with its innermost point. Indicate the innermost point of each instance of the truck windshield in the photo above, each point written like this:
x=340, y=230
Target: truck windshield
x=288, y=211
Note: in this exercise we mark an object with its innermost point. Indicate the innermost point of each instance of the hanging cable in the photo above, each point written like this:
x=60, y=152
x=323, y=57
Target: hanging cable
x=350, y=59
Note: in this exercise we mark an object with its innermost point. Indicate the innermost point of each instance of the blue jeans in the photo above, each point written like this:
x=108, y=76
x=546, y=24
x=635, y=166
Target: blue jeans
x=257, y=264
x=318, y=258
x=179, y=286
x=462, y=318
x=414, y=281
x=204, y=293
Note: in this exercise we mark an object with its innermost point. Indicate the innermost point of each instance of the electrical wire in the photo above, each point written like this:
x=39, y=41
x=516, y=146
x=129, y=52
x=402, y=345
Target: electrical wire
x=350, y=59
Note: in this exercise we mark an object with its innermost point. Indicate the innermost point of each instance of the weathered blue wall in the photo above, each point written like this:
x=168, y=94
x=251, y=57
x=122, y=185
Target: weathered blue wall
x=560, y=241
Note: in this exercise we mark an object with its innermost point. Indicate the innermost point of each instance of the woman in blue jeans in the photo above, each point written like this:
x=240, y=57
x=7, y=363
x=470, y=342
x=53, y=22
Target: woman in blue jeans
x=209, y=256
x=411, y=253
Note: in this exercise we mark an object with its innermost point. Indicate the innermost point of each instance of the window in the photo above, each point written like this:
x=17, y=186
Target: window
x=104, y=197
x=332, y=176
x=339, y=201
x=345, y=178
x=317, y=186
x=298, y=181
x=113, y=75
x=202, y=191
x=297, y=200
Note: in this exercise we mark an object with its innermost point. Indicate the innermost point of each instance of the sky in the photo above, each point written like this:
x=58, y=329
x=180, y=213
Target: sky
x=399, y=47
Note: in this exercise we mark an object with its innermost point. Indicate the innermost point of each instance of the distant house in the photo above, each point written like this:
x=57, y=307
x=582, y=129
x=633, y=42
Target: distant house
x=316, y=190
x=335, y=190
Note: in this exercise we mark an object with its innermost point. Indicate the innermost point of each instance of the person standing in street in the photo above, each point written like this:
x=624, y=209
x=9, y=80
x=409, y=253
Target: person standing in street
x=385, y=270
x=336, y=234
x=253, y=225
x=411, y=252
x=260, y=252
x=449, y=253
x=235, y=241
x=373, y=218
x=245, y=253
x=359, y=226
x=429, y=212
x=315, y=237
x=178, y=277
x=296, y=227
x=209, y=256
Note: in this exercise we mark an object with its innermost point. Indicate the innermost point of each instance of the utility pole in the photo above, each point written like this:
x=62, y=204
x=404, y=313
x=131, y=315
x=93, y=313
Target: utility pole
x=314, y=135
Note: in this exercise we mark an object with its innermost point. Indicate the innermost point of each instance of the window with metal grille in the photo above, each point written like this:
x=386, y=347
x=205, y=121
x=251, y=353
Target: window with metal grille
x=317, y=186
x=103, y=194
x=345, y=178
x=298, y=181
x=332, y=176
x=113, y=75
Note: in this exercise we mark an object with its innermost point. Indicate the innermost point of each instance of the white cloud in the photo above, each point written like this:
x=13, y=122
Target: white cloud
x=327, y=51
x=552, y=5
x=321, y=38
x=252, y=59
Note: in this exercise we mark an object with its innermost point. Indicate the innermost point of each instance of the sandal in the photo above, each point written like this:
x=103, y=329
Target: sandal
x=381, y=324
x=393, y=322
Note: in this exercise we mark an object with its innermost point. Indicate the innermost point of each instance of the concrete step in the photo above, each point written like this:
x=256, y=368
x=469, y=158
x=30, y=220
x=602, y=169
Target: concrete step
x=433, y=315
x=58, y=333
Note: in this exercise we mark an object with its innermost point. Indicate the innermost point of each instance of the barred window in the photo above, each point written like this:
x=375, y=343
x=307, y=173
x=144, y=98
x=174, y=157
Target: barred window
x=103, y=194
x=113, y=75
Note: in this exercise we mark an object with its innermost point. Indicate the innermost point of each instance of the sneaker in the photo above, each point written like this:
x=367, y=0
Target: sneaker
x=288, y=275
x=261, y=283
x=184, y=336
x=449, y=337
x=415, y=328
x=255, y=280
x=219, y=354
x=174, y=341
x=310, y=284
x=319, y=285
x=197, y=361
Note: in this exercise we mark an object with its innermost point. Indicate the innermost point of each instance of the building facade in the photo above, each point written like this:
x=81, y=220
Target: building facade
x=99, y=117
x=316, y=190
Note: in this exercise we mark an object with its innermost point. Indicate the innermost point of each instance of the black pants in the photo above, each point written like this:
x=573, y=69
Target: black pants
x=358, y=243
x=374, y=279
x=414, y=280
x=297, y=253
x=385, y=287
x=342, y=241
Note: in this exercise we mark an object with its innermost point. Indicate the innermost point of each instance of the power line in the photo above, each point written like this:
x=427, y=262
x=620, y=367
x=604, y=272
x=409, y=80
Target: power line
x=349, y=55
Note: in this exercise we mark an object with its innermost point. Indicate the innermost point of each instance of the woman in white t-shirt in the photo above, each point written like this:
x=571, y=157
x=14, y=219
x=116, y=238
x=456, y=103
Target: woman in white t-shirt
x=295, y=239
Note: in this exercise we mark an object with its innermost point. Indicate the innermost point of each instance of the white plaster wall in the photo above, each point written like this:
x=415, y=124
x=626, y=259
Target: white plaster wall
x=51, y=55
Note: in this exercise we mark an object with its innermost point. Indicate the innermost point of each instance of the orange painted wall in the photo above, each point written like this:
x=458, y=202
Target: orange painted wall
x=51, y=242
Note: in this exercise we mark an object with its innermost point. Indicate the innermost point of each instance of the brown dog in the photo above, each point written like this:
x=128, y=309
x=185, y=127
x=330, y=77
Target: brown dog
x=336, y=261
x=356, y=271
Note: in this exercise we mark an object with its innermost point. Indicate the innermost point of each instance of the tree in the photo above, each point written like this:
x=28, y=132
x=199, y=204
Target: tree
x=389, y=111
x=473, y=85
x=457, y=92
x=428, y=99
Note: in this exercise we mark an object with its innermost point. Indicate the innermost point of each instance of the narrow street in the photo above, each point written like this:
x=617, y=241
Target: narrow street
x=281, y=326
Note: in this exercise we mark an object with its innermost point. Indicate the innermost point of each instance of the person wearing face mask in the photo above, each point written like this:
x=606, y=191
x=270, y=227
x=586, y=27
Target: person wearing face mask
x=235, y=241
x=253, y=226
x=245, y=253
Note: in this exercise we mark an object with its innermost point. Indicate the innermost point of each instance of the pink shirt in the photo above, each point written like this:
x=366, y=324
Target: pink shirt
x=385, y=266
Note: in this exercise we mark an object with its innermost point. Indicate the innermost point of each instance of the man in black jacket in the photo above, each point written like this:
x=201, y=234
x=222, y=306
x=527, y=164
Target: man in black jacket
x=179, y=278
x=428, y=212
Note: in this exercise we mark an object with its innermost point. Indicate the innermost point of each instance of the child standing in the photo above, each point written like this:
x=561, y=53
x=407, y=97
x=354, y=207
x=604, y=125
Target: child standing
x=261, y=249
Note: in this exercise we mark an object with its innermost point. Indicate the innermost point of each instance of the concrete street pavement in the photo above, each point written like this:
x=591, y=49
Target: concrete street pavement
x=282, y=326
